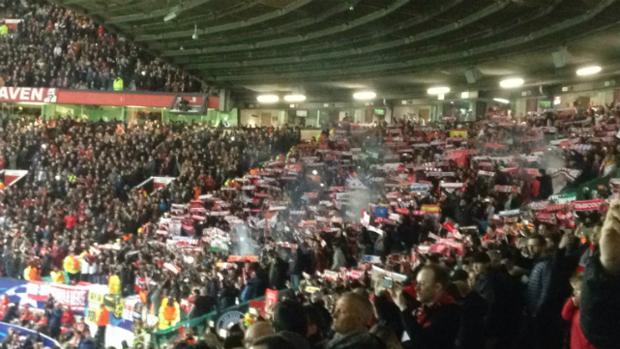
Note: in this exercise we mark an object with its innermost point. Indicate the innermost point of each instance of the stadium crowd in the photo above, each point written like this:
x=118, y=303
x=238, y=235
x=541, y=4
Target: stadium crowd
x=56, y=47
x=458, y=245
x=390, y=236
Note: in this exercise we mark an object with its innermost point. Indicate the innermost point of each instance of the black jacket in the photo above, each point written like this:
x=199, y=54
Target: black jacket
x=433, y=327
x=471, y=332
x=501, y=293
x=600, y=305
x=359, y=340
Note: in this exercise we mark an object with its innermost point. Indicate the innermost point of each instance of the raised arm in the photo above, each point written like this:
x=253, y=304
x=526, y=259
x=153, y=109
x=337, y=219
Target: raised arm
x=610, y=240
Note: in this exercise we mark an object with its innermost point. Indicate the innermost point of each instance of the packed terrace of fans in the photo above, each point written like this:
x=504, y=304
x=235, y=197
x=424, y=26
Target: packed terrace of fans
x=57, y=47
x=363, y=213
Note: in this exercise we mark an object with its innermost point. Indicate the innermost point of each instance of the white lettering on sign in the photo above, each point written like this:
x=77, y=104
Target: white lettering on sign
x=26, y=94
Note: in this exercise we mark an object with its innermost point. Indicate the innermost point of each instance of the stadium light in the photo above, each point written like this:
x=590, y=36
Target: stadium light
x=268, y=99
x=364, y=95
x=295, y=98
x=438, y=90
x=501, y=100
x=511, y=83
x=589, y=70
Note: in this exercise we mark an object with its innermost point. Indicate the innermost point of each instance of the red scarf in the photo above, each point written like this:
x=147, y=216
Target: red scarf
x=422, y=313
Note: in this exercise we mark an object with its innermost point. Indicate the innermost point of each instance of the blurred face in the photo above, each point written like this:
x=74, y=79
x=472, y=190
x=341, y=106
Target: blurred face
x=479, y=268
x=346, y=318
x=535, y=247
x=463, y=287
x=427, y=289
x=577, y=291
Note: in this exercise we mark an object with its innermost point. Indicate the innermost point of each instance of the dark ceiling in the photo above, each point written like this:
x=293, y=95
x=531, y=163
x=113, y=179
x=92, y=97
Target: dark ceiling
x=328, y=48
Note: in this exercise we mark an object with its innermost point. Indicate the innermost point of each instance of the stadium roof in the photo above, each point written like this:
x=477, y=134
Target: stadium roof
x=399, y=47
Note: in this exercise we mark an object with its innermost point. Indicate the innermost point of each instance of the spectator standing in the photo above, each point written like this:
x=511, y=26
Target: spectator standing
x=571, y=313
x=435, y=324
x=600, y=300
x=352, y=316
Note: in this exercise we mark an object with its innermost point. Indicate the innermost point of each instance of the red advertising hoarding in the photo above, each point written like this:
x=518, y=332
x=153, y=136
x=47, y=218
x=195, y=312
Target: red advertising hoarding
x=103, y=98
x=27, y=94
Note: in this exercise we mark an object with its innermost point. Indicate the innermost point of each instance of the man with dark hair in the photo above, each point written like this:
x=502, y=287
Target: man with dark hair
x=502, y=296
x=352, y=317
x=315, y=334
x=290, y=322
x=473, y=311
x=435, y=324
x=546, y=290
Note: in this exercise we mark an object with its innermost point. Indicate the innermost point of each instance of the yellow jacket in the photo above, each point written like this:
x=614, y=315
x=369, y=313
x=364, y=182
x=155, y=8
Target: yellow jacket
x=32, y=274
x=168, y=315
x=114, y=284
x=71, y=264
x=57, y=276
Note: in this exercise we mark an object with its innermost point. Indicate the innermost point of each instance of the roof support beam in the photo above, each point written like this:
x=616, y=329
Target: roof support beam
x=156, y=13
x=304, y=54
x=199, y=16
x=231, y=64
x=487, y=11
x=292, y=72
x=298, y=38
x=282, y=29
x=228, y=26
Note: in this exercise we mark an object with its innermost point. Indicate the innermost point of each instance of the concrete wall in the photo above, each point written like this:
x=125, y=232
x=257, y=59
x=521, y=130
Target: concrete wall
x=262, y=117
x=407, y=111
x=597, y=97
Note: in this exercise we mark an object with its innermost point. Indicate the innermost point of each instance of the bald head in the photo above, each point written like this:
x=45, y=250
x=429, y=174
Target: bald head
x=353, y=313
x=258, y=330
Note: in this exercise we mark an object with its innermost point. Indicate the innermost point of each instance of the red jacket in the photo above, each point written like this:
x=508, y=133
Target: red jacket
x=570, y=313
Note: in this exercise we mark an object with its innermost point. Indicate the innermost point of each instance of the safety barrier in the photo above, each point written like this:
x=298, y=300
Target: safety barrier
x=578, y=188
x=200, y=323
x=22, y=331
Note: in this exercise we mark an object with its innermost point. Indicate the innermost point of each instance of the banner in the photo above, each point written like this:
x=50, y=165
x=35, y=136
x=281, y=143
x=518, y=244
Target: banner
x=330, y=275
x=420, y=187
x=390, y=274
x=440, y=174
x=505, y=188
x=146, y=99
x=432, y=209
x=508, y=213
x=459, y=156
x=589, y=205
x=570, y=173
x=371, y=259
x=458, y=133
x=10, y=177
x=545, y=217
x=563, y=198
x=153, y=184
x=242, y=259
x=455, y=185
x=27, y=94
x=36, y=294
